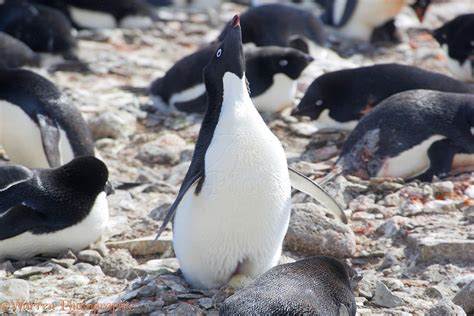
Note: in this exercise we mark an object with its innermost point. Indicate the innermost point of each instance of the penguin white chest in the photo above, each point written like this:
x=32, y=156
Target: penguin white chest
x=239, y=219
x=92, y=19
x=278, y=96
x=464, y=71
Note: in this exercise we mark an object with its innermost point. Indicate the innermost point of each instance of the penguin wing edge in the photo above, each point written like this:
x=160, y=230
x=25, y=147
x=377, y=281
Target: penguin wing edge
x=12, y=175
x=50, y=137
x=308, y=186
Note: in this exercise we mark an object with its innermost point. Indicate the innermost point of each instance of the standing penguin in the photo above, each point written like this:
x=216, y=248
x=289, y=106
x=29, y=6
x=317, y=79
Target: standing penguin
x=457, y=40
x=364, y=88
x=14, y=53
x=39, y=127
x=317, y=285
x=413, y=135
x=43, y=29
x=105, y=13
x=233, y=208
x=52, y=210
x=271, y=71
x=278, y=24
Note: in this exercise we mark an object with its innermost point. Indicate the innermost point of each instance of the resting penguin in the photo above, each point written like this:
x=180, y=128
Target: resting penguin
x=43, y=29
x=413, y=135
x=48, y=211
x=272, y=72
x=233, y=208
x=105, y=13
x=14, y=53
x=278, y=24
x=39, y=127
x=363, y=89
x=358, y=19
x=314, y=286
x=457, y=40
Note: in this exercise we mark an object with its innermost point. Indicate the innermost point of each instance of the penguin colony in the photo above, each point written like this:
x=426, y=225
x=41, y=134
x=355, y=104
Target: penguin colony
x=233, y=208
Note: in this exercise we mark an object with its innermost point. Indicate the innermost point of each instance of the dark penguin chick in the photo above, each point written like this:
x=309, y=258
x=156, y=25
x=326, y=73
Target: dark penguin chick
x=359, y=19
x=363, y=88
x=14, y=53
x=39, y=127
x=278, y=24
x=43, y=29
x=105, y=13
x=457, y=40
x=314, y=286
x=415, y=134
x=271, y=71
x=48, y=211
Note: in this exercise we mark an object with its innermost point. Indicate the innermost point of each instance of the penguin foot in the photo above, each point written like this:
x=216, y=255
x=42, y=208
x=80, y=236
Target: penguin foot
x=100, y=247
x=239, y=281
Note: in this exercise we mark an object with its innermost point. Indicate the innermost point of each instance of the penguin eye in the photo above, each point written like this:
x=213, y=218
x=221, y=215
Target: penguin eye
x=283, y=62
x=219, y=53
x=319, y=102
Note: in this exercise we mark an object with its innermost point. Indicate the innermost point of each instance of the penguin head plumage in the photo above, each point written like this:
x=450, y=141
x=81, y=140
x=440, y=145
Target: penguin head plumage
x=420, y=7
x=288, y=61
x=314, y=100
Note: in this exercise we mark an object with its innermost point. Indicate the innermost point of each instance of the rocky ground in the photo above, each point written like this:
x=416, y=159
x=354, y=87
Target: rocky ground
x=413, y=242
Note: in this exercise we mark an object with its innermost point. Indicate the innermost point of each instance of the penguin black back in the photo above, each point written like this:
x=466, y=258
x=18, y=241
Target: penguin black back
x=42, y=28
x=314, y=286
x=14, y=53
x=364, y=87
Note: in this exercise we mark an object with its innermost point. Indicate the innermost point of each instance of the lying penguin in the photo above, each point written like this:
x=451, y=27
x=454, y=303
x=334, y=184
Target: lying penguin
x=271, y=71
x=358, y=19
x=457, y=39
x=105, y=13
x=233, y=208
x=413, y=135
x=39, y=127
x=278, y=24
x=48, y=211
x=364, y=88
x=14, y=53
x=43, y=29
x=317, y=285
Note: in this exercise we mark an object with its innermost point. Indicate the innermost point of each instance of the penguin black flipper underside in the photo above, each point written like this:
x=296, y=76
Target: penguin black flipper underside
x=20, y=219
x=187, y=184
x=50, y=137
x=308, y=186
x=13, y=175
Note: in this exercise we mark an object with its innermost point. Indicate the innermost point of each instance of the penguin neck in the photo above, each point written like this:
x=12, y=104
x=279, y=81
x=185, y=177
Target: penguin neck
x=236, y=100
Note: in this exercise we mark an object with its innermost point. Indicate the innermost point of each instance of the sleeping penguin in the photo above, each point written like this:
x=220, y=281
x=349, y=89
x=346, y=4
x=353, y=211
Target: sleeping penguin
x=48, y=211
x=413, y=135
x=105, y=13
x=358, y=19
x=317, y=285
x=39, y=127
x=364, y=88
x=278, y=24
x=271, y=71
x=14, y=53
x=41, y=28
x=457, y=40
x=228, y=227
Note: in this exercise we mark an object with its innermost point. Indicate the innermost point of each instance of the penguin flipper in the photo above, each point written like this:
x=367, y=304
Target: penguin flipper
x=50, y=137
x=185, y=187
x=12, y=175
x=20, y=219
x=308, y=186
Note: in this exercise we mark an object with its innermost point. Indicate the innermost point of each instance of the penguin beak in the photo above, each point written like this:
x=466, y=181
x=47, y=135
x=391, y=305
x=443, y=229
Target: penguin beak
x=235, y=21
x=109, y=188
x=309, y=59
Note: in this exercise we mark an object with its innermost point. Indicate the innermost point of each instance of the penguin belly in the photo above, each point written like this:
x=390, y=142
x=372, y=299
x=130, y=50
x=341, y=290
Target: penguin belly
x=325, y=121
x=237, y=223
x=278, y=96
x=76, y=237
x=187, y=95
x=92, y=19
x=21, y=138
x=136, y=21
x=411, y=162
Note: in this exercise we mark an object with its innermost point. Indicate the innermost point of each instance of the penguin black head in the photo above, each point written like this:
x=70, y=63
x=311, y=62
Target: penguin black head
x=85, y=174
x=420, y=7
x=288, y=61
x=458, y=35
x=228, y=58
x=316, y=98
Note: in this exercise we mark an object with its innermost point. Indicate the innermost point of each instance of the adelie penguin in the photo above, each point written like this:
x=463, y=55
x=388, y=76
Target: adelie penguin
x=41, y=28
x=358, y=19
x=39, y=127
x=48, y=211
x=363, y=88
x=457, y=40
x=105, y=13
x=14, y=53
x=271, y=71
x=314, y=286
x=233, y=208
x=413, y=135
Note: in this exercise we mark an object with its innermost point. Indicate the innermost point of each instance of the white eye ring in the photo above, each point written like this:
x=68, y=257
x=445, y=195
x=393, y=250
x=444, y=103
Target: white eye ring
x=319, y=102
x=219, y=53
x=283, y=62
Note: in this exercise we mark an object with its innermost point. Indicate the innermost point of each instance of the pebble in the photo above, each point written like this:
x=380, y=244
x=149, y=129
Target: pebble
x=446, y=308
x=384, y=297
x=14, y=289
x=112, y=125
x=443, y=187
x=465, y=298
x=144, y=246
x=76, y=280
x=432, y=249
x=206, y=303
x=89, y=256
x=26, y=272
x=119, y=264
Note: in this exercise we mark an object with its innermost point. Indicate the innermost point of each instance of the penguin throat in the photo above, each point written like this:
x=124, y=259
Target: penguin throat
x=235, y=95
